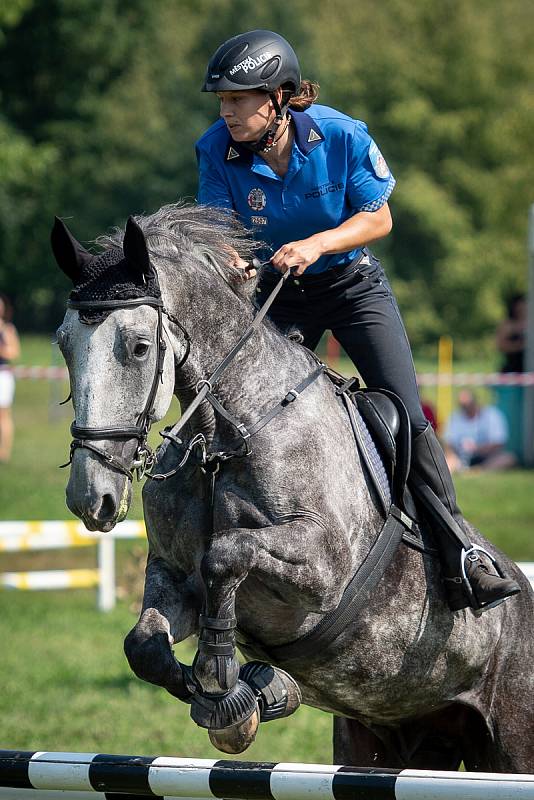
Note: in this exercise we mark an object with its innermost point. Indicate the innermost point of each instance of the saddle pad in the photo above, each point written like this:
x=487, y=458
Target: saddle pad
x=372, y=459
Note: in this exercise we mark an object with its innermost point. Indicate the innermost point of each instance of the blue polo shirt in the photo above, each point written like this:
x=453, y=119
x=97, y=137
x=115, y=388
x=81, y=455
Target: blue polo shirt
x=335, y=170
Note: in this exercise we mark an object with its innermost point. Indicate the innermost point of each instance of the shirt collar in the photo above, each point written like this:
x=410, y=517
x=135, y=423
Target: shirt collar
x=308, y=136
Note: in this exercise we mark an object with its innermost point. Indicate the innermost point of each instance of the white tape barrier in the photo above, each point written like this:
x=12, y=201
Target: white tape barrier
x=424, y=378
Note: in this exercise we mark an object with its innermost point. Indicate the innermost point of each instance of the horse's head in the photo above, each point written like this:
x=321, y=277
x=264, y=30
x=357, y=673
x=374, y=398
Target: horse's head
x=121, y=372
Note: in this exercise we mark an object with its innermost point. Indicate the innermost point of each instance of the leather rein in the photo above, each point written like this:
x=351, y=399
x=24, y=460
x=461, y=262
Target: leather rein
x=144, y=457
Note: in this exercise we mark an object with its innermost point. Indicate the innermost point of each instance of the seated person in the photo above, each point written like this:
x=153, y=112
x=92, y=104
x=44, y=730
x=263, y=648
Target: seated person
x=476, y=436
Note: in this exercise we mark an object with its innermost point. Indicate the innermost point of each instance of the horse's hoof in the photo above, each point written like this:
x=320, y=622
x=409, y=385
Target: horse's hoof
x=237, y=738
x=278, y=693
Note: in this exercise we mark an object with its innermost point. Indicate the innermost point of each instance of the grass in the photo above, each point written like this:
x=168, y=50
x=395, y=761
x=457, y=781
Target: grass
x=65, y=682
x=66, y=686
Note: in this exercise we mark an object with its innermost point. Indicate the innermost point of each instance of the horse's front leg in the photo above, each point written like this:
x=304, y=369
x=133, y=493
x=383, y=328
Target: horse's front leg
x=171, y=605
x=225, y=702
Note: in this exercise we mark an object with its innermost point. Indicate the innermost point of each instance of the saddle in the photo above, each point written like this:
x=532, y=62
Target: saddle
x=382, y=431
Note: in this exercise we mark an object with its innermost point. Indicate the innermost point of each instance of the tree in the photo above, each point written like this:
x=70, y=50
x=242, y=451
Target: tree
x=101, y=121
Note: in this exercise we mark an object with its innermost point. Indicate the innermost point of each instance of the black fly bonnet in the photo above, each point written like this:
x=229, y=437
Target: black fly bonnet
x=108, y=276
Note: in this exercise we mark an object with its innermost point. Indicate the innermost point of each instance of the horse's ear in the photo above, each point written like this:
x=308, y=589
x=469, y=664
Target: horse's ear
x=71, y=257
x=135, y=249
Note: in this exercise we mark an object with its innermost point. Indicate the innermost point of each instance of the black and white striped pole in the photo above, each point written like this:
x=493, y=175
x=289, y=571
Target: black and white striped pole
x=82, y=776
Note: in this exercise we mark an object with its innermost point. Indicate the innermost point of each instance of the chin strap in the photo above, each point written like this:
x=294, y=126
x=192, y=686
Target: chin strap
x=268, y=139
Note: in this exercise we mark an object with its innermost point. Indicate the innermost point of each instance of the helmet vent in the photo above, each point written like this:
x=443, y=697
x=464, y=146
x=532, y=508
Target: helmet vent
x=233, y=56
x=270, y=68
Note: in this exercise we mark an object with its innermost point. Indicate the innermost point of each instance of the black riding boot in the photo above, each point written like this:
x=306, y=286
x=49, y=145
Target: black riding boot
x=485, y=588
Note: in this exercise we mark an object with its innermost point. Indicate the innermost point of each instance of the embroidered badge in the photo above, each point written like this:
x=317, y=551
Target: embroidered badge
x=313, y=136
x=259, y=220
x=231, y=154
x=378, y=161
x=257, y=199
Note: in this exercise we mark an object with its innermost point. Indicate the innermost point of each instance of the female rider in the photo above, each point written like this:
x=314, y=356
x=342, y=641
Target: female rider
x=312, y=183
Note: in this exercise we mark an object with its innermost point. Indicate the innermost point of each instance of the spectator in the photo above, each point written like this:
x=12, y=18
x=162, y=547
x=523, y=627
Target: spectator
x=511, y=334
x=9, y=349
x=430, y=414
x=510, y=340
x=476, y=436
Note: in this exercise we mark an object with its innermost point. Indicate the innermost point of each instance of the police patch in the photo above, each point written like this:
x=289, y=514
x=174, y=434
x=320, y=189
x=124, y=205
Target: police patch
x=378, y=162
x=257, y=199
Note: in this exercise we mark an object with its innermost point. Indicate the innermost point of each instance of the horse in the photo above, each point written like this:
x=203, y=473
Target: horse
x=253, y=539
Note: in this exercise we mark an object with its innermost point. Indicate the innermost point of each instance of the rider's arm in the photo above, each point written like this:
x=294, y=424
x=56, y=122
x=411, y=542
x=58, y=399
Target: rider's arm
x=369, y=184
x=359, y=230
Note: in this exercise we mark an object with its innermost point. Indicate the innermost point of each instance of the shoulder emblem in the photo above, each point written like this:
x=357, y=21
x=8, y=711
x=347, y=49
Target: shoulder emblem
x=378, y=162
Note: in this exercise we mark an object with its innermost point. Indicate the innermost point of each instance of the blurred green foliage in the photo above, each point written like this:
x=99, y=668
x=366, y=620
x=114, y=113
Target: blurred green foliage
x=100, y=108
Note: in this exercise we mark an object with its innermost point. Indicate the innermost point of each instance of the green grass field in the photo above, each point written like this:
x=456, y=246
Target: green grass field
x=65, y=682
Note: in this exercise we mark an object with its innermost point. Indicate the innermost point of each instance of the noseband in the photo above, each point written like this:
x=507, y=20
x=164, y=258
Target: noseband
x=143, y=458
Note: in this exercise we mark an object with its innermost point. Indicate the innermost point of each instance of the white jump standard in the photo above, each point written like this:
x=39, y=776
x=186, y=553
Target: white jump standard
x=164, y=776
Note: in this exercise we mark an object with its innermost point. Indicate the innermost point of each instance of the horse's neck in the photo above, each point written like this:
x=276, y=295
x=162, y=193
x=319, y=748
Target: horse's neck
x=260, y=374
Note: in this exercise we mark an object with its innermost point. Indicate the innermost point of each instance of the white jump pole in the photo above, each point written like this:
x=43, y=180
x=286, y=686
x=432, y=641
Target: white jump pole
x=106, y=567
x=165, y=776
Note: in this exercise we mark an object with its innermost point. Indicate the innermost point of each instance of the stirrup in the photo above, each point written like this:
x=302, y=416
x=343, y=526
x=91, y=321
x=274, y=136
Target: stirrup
x=472, y=555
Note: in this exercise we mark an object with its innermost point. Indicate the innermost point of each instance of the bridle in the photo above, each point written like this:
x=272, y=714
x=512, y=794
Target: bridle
x=82, y=437
x=144, y=456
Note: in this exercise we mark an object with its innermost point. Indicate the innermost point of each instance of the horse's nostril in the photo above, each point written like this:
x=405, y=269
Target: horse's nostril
x=108, y=508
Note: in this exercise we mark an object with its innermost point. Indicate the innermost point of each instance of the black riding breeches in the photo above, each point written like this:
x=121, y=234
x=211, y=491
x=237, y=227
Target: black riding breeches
x=357, y=304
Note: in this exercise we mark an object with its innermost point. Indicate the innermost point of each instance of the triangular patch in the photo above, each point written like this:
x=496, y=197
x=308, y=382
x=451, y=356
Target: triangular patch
x=231, y=154
x=314, y=136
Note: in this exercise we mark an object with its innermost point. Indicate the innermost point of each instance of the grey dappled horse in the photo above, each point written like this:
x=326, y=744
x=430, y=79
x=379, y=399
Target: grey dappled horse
x=410, y=683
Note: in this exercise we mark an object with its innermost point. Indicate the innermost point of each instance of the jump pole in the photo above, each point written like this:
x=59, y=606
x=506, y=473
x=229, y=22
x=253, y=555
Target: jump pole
x=82, y=776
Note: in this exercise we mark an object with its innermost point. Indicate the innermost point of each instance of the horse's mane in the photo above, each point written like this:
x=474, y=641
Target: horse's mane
x=203, y=232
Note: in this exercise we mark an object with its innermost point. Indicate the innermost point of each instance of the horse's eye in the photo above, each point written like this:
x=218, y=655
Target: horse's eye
x=141, y=349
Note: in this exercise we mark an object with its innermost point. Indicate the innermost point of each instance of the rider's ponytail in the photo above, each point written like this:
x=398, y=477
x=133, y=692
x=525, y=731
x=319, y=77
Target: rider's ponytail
x=308, y=94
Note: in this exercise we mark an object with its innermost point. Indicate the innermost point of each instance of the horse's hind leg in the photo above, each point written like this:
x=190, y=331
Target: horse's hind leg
x=512, y=747
x=431, y=742
x=169, y=615
x=355, y=745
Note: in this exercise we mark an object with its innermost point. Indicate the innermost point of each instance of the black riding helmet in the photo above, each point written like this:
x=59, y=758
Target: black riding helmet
x=255, y=60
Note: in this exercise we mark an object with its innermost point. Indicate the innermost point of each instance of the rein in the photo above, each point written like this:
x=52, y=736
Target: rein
x=144, y=457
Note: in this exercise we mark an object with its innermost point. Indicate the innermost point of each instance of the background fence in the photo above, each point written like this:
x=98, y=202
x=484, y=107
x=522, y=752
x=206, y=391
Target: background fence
x=18, y=537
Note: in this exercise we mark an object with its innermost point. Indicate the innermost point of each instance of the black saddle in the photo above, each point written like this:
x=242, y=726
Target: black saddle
x=382, y=430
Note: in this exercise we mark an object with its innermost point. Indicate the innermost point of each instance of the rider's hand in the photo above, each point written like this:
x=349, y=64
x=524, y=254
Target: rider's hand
x=298, y=256
x=240, y=263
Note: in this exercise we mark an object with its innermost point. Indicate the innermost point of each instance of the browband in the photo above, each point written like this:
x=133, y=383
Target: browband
x=96, y=305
